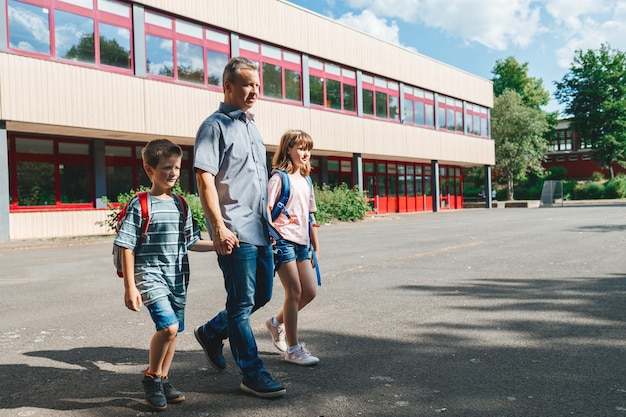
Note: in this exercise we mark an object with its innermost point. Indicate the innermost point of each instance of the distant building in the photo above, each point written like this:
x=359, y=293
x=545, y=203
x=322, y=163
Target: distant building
x=84, y=84
x=568, y=150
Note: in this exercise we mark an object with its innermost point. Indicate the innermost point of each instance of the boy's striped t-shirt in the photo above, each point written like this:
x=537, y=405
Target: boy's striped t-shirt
x=161, y=260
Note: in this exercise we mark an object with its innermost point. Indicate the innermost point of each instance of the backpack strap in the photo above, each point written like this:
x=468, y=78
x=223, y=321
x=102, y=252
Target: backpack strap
x=185, y=207
x=145, y=214
x=284, y=195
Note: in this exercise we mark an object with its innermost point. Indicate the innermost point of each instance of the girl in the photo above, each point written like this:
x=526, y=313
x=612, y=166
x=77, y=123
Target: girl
x=295, y=270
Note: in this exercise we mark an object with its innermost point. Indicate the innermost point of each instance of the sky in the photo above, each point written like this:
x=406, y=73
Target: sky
x=473, y=34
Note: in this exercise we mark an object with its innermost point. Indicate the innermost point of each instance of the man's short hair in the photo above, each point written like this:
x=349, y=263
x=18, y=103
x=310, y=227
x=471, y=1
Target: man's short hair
x=156, y=149
x=234, y=67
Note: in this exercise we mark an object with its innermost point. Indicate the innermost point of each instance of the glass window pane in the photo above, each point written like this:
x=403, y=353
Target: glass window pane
x=368, y=167
x=333, y=94
x=316, y=90
x=381, y=104
x=468, y=123
x=159, y=56
x=368, y=101
x=119, y=180
x=215, y=36
x=349, y=97
x=418, y=186
x=189, y=60
x=75, y=184
x=29, y=27
x=87, y=4
x=419, y=113
x=483, y=127
x=333, y=179
x=381, y=185
x=333, y=165
x=394, y=112
x=410, y=185
x=158, y=20
x=450, y=119
x=272, y=80
x=37, y=146
x=293, y=90
x=114, y=7
x=458, y=116
x=114, y=45
x=74, y=37
x=408, y=114
x=441, y=115
x=216, y=61
x=74, y=148
x=430, y=115
x=477, y=125
x=189, y=29
x=110, y=150
x=346, y=166
x=35, y=184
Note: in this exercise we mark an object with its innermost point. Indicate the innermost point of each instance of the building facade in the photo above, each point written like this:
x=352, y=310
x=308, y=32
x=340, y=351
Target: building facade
x=84, y=84
x=573, y=153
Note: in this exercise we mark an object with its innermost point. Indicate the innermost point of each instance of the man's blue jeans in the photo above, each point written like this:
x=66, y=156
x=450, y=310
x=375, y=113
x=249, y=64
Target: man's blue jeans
x=248, y=278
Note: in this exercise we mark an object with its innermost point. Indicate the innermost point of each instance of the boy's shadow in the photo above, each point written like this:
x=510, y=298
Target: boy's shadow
x=96, y=377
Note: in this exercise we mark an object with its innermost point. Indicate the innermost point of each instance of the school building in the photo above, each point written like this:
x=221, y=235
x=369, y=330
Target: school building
x=84, y=84
x=574, y=154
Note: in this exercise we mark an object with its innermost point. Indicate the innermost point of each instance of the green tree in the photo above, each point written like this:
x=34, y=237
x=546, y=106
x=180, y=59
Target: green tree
x=518, y=131
x=594, y=94
x=509, y=74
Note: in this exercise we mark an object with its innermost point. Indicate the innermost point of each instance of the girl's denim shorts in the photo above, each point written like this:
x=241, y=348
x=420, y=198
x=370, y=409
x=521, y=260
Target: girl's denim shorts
x=164, y=314
x=288, y=251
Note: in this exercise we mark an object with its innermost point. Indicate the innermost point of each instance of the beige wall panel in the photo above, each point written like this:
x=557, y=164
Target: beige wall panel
x=466, y=149
x=47, y=92
x=45, y=225
x=174, y=110
x=336, y=134
x=273, y=119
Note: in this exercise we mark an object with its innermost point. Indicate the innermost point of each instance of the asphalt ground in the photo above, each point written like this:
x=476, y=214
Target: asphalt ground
x=507, y=312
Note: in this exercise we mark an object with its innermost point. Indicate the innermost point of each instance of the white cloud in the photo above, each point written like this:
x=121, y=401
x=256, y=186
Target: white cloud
x=368, y=22
x=587, y=26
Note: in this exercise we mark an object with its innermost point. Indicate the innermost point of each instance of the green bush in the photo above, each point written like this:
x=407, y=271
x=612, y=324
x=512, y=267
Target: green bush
x=193, y=201
x=557, y=173
x=597, y=176
x=588, y=191
x=340, y=203
x=616, y=188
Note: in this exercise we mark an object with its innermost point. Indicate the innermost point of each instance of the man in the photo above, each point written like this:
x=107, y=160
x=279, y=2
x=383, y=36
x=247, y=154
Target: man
x=232, y=183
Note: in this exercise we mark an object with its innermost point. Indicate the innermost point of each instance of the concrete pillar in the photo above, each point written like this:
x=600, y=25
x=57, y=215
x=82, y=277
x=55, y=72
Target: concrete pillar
x=488, y=186
x=434, y=187
x=5, y=193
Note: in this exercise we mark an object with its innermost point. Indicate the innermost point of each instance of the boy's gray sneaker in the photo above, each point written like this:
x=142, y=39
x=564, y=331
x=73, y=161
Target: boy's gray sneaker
x=262, y=385
x=212, y=348
x=155, y=397
x=172, y=395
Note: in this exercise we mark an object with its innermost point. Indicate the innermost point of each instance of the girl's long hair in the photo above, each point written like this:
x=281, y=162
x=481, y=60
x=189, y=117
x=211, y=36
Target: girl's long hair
x=288, y=140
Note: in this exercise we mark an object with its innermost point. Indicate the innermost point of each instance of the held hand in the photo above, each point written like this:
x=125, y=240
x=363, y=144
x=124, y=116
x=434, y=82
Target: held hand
x=225, y=241
x=132, y=299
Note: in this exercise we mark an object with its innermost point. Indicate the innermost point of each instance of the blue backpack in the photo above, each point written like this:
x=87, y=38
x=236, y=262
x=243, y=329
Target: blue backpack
x=279, y=207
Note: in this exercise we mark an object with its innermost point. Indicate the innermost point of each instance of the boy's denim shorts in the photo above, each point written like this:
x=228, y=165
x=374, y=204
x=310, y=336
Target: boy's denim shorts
x=288, y=251
x=164, y=314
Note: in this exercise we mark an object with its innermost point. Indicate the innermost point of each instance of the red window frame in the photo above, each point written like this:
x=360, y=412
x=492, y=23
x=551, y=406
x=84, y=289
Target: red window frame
x=56, y=159
x=390, y=89
x=98, y=16
x=254, y=50
x=415, y=95
x=477, y=113
x=343, y=75
x=174, y=35
x=445, y=106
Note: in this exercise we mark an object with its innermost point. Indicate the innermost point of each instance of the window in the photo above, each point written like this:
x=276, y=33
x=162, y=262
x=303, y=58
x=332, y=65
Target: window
x=450, y=114
x=381, y=98
x=280, y=70
x=476, y=120
x=79, y=31
x=184, y=51
x=50, y=173
x=332, y=86
x=419, y=107
x=562, y=141
x=339, y=172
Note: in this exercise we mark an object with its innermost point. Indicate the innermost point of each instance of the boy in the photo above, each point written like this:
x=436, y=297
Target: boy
x=156, y=272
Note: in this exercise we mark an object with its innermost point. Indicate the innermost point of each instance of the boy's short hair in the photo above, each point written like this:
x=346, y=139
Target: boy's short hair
x=156, y=149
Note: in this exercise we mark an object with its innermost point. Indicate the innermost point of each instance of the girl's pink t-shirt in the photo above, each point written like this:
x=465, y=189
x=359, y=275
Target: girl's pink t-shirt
x=301, y=202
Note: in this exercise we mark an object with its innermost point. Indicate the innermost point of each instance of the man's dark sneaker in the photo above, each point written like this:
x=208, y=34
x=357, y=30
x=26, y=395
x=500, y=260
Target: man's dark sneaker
x=262, y=385
x=153, y=387
x=172, y=395
x=212, y=348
